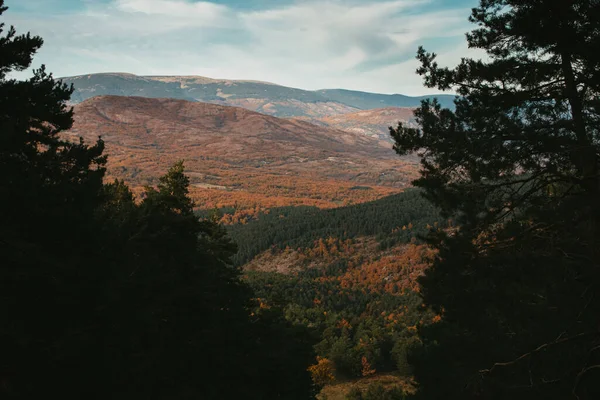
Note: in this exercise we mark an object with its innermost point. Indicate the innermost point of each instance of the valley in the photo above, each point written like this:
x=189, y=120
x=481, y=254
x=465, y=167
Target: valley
x=350, y=276
x=320, y=208
x=174, y=237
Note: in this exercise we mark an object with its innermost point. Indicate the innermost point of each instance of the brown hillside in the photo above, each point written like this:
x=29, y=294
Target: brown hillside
x=234, y=150
x=373, y=123
x=271, y=107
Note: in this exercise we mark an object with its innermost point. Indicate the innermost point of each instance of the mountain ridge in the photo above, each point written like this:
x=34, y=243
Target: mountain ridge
x=198, y=78
x=264, y=97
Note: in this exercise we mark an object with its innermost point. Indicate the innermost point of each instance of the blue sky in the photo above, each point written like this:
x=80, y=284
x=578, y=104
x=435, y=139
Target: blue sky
x=311, y=44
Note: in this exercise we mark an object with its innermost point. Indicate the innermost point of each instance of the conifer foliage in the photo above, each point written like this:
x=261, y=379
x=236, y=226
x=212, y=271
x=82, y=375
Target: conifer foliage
x=518, y=164
x=104, y=296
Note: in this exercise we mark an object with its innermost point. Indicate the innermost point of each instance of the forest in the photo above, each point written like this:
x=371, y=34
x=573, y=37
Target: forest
x=480, y=283
x=301, y=226
x=355, y=282
x=365, y=321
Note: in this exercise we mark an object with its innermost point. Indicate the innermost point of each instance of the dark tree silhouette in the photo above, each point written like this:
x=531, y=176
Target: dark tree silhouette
x=517, y=163
x=103, y=296
x=48, y=192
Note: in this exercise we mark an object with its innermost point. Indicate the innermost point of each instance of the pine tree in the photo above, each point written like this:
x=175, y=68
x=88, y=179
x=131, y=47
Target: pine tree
x=105, y=297
x=179, y=323
x=517, y=164
x=48, y=193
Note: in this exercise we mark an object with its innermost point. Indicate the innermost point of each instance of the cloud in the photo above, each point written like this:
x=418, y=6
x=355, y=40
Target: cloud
x=363, y=45
x=201, y=13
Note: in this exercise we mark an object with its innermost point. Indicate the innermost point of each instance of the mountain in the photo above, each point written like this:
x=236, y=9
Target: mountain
x=374, y=123
x=254, y=158
x=367, y=101
x=263, y=97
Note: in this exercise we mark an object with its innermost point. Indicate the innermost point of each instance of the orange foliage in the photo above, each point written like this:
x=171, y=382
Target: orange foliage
x=329, y=248
x=344, y=324
x=262, y=304
x=394, y=273
x=323, y=372
x=250, y=195
x=241, y=159
x=366, y=367
x=214, y=186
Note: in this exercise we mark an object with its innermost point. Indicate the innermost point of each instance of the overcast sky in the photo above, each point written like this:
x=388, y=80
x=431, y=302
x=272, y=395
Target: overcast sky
x=366, y=45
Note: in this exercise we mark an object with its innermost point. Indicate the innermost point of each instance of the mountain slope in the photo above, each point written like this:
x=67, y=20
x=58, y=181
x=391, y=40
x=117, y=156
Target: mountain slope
x=375, y=123
x=367, y=101
x=267, y=98
x=239, y=151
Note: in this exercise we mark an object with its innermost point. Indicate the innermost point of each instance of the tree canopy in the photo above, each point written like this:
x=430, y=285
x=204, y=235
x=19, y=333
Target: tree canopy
x=103, y=295
x=517, y=163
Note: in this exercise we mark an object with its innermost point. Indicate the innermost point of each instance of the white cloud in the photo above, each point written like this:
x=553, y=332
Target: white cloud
x=309, y=44
x=196, y=13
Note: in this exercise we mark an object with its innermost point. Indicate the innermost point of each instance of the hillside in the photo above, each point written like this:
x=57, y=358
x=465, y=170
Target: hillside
x=350, y=274
x=303, y=226
x=367, y=101
x=263, y=97
x=236, y=156
x=374, y=123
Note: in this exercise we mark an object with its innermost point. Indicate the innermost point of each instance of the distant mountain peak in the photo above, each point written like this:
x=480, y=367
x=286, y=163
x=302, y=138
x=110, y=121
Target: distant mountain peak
x=264, y=97
x=201, y=79
x=102, y=74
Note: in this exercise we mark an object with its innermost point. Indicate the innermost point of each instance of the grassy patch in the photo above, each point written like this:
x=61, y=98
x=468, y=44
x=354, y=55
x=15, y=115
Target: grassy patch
x=339, y=391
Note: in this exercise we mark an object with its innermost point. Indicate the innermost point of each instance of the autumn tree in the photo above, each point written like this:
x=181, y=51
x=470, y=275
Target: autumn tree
x=323, y=372
x=367, y=369
x=517, y=164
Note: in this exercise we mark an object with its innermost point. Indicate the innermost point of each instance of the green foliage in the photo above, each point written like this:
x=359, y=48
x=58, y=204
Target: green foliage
x=302, y=226
x=349, y=322
x=341, y=352
x=402, y=350
x=517, y=162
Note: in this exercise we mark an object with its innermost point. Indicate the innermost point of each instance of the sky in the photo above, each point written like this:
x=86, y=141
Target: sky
x=367, y=45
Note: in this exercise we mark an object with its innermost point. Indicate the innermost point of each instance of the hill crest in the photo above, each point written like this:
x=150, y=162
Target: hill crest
x=264, y=97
